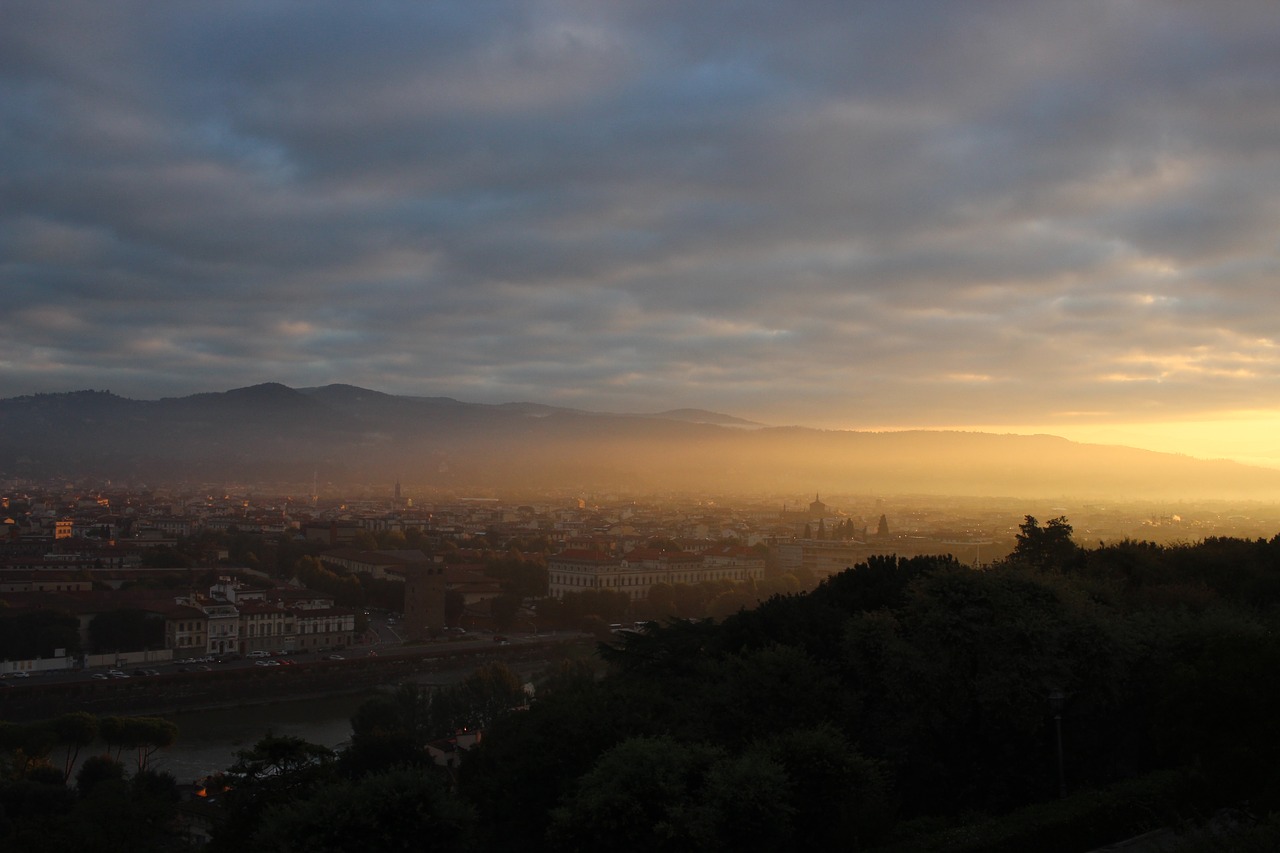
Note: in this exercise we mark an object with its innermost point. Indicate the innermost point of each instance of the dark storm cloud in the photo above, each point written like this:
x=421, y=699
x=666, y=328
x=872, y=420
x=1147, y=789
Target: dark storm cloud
x=860, y=213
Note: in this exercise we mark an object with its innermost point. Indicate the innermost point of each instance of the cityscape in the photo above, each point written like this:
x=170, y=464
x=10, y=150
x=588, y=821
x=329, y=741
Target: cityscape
x=225, y=573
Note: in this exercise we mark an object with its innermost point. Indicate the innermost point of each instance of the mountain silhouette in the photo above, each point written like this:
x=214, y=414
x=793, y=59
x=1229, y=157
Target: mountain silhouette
x=272, y=433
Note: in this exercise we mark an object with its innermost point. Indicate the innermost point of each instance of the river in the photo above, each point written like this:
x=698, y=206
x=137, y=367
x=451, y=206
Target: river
x=209, y=740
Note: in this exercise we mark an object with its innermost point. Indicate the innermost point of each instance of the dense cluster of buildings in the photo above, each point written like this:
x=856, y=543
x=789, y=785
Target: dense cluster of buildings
x=88, y=551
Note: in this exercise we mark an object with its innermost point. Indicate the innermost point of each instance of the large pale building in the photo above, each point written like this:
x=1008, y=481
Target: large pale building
x=579, y=570
x=825, y=557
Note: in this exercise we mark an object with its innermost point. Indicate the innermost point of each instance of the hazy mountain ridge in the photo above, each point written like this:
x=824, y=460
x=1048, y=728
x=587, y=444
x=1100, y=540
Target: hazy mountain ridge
x=345, y=433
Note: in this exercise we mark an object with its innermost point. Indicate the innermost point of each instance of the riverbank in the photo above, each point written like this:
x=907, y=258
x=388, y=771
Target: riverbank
x=179, y=692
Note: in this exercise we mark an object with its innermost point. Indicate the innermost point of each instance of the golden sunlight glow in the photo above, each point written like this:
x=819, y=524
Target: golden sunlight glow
x=1249, y=437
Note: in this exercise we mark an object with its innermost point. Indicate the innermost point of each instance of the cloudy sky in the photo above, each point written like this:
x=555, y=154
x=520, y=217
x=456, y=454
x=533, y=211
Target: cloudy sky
x=1012, y=215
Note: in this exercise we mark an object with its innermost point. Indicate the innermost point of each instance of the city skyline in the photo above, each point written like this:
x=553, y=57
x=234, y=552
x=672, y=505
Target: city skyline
x=1038, y=217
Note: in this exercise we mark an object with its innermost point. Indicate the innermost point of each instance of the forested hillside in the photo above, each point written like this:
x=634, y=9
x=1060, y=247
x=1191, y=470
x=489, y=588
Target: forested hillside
x=904, y=696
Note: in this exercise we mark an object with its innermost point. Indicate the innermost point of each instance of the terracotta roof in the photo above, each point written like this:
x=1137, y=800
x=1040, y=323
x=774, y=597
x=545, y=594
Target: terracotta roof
x=583, y=555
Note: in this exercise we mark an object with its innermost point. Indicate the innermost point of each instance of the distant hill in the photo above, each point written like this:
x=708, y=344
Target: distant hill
x=344, y=434
x=702, y=416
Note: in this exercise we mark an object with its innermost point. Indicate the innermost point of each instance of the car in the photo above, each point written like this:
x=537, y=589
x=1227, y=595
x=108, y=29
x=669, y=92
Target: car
x=259, y=654
x=335, y=657
x=119, y=674
x=101, y=676
x=266, y=663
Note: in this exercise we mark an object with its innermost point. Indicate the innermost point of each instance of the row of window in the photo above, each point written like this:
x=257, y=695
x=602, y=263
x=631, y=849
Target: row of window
x=646, y=580
x=267, y=630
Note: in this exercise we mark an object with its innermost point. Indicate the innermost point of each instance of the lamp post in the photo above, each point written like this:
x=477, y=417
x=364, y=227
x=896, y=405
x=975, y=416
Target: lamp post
x=1057, y=701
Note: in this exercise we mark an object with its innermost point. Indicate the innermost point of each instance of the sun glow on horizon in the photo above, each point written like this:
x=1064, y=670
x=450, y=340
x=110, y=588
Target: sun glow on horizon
x=1249, y=438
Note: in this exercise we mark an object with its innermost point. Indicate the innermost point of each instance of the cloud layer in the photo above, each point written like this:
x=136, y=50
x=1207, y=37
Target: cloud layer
x=843, y=213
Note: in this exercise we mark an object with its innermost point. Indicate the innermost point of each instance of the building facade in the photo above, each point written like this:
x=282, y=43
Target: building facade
x=635, y=573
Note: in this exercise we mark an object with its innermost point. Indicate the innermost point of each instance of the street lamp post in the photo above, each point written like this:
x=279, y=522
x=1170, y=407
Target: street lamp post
x=1057, y=701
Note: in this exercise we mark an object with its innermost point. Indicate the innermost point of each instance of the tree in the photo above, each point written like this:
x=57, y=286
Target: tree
x=748, y=803
x=504, y=609
x=97, y=769
x=662, y=601
x=565, y=676
x=127, y=629
x=838, y=797
x=520, y=576
x=37, y=633
x=396, y=810
x=27, y=747
x=277, y=769
x=1048, y=548
x=74, y=731
x=637, y=797
x=389, y=731
x=491, y=690
x=144, y=735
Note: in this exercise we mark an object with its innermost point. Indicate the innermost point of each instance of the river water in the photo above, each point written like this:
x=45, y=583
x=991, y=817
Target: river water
x=209, y=740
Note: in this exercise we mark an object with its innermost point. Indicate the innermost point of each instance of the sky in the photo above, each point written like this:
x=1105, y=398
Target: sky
x=1015, y=216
